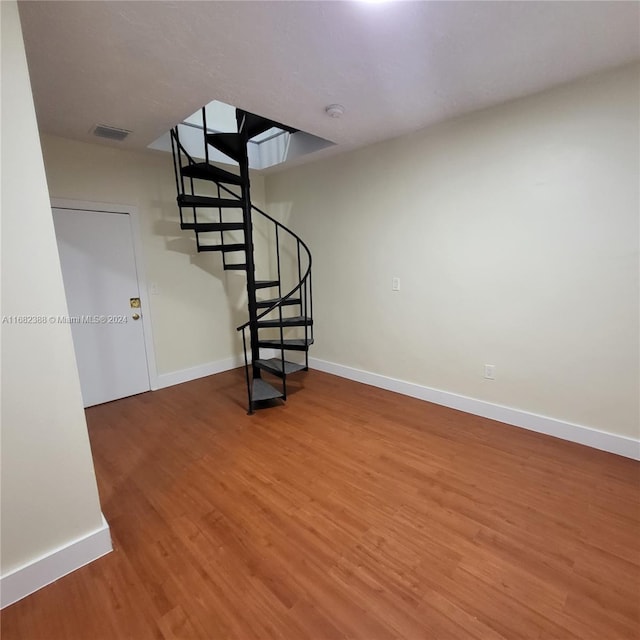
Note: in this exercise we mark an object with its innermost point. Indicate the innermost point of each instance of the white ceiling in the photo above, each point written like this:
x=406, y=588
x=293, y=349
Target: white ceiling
x=396, y=67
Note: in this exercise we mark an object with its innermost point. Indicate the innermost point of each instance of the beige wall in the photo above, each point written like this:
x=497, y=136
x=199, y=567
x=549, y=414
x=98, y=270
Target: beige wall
x=199, y=304
x=514, y=232
x=49, y=494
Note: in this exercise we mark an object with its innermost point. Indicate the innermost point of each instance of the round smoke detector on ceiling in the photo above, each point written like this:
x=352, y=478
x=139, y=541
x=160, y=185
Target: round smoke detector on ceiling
x=335, y=110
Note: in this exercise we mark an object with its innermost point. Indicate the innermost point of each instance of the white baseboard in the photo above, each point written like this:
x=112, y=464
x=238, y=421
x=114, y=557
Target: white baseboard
x=621, y=445
x=207, y=369
x=24, y=580
x=201, y=371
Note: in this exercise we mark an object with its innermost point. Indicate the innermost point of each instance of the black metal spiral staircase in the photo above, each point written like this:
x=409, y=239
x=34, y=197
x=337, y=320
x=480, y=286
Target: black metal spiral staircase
x=231, y=213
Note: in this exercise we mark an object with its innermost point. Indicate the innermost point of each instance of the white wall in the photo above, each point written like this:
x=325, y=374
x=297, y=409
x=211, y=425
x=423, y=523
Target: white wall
x=49, y=493
x=514, y=232
x=199, y=305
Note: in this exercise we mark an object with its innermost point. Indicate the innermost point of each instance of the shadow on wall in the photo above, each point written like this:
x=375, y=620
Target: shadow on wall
x=282, y=212
x=290, y=272
x=178, y=241
x=234, y=282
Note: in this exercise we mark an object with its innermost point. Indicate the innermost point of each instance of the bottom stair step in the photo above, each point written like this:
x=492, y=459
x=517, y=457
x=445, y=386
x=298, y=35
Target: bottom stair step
x=262, y=390
x=276, y=366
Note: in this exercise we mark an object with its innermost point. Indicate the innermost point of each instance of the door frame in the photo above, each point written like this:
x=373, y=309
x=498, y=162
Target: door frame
x=138, y=255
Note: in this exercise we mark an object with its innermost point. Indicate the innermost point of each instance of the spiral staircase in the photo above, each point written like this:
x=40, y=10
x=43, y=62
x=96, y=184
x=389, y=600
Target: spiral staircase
x=280, y=309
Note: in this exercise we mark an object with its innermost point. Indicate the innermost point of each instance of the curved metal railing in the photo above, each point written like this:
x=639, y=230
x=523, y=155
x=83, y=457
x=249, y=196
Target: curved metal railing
x=304, y=286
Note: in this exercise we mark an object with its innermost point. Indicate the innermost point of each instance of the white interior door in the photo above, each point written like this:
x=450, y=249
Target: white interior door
x=100, y=281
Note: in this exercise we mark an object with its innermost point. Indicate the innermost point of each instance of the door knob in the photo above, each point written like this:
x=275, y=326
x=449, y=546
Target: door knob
x=136, y=316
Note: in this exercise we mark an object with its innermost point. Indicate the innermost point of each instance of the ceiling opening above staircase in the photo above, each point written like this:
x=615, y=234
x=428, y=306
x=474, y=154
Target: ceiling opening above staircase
x=272, y=147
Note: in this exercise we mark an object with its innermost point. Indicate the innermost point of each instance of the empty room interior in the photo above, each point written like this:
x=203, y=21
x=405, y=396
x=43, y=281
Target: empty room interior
x=320, y=320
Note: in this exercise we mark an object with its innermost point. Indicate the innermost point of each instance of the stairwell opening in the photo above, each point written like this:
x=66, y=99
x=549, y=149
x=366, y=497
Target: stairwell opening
x=272, y=147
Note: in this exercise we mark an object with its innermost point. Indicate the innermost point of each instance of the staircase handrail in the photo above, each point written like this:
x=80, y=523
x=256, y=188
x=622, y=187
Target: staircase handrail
x=303, y=279
x=176, y=138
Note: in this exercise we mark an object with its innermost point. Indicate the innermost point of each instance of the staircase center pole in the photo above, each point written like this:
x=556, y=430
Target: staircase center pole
x=248, y=238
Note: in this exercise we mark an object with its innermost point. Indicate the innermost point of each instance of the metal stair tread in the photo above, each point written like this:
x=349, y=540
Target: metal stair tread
x=290, y=344
x=255, y=125
x=265, y=304
x=261, y=390
x=206, y=171
x=229, y=143
x=203, y=227
x=265, y=284
x=187, y=200
x=275, y=365
x=292, y=321
x=222, y=247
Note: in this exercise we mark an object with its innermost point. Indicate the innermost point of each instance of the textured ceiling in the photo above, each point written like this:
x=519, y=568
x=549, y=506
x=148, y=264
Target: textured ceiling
x=396, y=67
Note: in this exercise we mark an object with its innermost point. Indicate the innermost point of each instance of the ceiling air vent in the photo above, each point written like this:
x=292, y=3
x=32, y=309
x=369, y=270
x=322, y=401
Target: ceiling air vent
x=112, y=133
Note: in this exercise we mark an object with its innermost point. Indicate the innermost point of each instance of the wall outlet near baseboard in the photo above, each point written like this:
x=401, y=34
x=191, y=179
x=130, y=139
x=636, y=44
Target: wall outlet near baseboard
x=490, y=371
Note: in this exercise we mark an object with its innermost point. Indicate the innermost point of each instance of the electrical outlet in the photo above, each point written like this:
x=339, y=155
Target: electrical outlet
x=490, y=371
x=395, y=284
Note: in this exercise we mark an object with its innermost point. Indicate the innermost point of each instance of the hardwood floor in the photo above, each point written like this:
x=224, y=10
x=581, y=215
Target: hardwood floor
x=350, y=512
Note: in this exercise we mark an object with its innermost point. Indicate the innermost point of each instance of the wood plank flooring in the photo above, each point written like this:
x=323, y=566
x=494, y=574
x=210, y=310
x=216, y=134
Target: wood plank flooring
x=350, y=512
